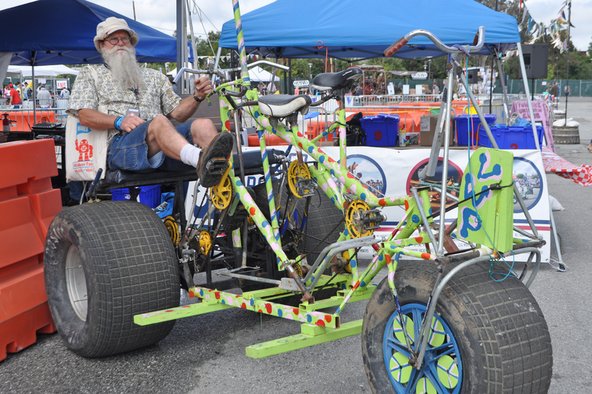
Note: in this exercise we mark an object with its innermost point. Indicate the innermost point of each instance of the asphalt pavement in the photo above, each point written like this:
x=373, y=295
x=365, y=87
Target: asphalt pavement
x=205, y=354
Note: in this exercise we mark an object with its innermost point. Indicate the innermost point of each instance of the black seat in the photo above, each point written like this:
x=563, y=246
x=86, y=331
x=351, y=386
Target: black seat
x=282, y=105
x=335, y=81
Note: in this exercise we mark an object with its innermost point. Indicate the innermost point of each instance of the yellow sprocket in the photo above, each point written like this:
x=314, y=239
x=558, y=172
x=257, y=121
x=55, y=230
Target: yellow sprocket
x=173, y=228
x=352, y=219
x=297, y=171
x=205, y=242
x=221, y=194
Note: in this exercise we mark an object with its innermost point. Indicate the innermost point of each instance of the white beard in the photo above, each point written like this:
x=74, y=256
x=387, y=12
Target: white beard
x=124, y=67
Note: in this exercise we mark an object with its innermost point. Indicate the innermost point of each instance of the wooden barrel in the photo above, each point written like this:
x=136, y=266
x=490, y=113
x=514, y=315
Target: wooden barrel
x=566, y=135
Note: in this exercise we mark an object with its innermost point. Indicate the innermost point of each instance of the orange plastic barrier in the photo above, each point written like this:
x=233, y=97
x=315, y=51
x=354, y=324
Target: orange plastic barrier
x=24, y=120
x=270, y=140
x=27, y=205
x=316, y=127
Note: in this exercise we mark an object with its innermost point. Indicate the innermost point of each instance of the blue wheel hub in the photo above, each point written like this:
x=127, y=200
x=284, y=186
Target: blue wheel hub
x=441, y=370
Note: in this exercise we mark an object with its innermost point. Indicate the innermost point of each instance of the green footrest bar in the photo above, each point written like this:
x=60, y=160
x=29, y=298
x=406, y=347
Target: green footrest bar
x=309, y=336
x=179, y=312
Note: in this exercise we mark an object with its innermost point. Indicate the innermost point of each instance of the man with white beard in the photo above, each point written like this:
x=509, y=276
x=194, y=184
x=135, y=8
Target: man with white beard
x=136, y=105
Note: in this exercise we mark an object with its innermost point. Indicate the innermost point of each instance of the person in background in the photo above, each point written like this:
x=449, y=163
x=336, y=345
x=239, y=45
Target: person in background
x=64, y=93
x=435, y=88
x=14, y=97
x=138, y=105
x=44, y=97
x=7, y=93
x=25, y=91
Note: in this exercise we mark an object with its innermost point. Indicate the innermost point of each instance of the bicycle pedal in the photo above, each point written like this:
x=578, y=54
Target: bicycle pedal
x=217, y=166
x=306, y=187
x=372, y=219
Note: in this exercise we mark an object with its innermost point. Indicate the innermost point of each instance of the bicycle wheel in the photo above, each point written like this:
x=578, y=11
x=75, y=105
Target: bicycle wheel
x=487, y=337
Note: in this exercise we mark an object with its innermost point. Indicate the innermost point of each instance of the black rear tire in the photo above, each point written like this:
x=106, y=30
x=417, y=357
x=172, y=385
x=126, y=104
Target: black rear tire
x=499, y=329
x=120, y=255
x=325, y=223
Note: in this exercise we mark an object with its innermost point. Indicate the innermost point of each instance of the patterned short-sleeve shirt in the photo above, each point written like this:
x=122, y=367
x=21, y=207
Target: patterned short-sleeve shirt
x=100, y=90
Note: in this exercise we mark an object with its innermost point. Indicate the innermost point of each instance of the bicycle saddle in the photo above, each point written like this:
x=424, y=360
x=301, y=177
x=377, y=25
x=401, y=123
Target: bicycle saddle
x=282, y=105
x=335, y=81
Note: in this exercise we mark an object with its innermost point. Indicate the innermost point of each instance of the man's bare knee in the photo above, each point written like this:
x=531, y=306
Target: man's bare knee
x=203, y=131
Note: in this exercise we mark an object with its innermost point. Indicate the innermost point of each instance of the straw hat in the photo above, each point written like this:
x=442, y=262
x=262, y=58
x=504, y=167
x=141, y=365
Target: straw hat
x=111, y=25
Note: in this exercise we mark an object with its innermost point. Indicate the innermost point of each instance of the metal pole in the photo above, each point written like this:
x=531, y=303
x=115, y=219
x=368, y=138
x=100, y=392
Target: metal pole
x=181, y=43
x=491, y=76
x=440, y=246
x=34, y=83
x=528, y=101
x=566, y=89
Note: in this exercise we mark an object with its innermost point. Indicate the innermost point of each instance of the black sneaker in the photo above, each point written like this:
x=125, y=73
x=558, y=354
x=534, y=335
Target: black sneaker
x=213, y=160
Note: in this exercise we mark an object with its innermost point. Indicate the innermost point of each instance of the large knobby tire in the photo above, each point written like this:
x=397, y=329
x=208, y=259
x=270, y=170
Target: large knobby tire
x=104, y=263
x=489, y=337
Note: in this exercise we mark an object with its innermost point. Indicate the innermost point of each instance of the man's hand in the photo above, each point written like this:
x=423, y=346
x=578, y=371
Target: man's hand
x=203, y=87
x=130, y=122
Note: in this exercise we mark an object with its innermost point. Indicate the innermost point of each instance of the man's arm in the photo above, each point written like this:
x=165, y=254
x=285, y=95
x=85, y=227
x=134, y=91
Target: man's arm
x=188, y=106
x=99, y=121
x=185, y=109
x=95, y=119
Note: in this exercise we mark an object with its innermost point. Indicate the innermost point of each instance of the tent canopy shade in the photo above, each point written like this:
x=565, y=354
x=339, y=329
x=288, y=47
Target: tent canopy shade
x=363, y=29
x=62, y=31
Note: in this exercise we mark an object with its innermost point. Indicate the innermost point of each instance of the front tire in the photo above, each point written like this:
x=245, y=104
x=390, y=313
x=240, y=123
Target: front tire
x=104, y=263
x=487, y=337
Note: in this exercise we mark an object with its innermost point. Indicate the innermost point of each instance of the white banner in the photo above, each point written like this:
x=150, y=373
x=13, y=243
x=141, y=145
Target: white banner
x=393, y=171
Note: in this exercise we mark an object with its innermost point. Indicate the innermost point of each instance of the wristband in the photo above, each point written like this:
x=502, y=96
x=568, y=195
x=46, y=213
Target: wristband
x=118, y=122
x=197, y=99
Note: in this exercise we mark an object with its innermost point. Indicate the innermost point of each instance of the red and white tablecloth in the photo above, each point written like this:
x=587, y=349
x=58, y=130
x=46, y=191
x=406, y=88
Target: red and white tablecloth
x=553, y=163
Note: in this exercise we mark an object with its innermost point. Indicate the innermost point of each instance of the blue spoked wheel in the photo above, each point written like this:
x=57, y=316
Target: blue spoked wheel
x=441, y=370
x=486, y=336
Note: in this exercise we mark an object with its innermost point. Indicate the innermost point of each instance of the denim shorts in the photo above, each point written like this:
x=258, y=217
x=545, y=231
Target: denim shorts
x=129, y=151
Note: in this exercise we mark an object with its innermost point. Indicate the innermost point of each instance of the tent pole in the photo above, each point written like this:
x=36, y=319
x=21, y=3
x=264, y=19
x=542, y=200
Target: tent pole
x=440, y=250
x=217, y=59
x=566, y=89
x=193, y=41
x=181, y=44
x=500, y=71
x=527, y=92
x=491, y=75
x=34, y=83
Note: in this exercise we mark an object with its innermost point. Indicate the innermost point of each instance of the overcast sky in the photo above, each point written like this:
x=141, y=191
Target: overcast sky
x=160, y=14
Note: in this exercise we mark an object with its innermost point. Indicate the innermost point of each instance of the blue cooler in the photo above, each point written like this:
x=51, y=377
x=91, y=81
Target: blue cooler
x=512, y=137
x=381, y=130
x=149, y=195
x=464, y=123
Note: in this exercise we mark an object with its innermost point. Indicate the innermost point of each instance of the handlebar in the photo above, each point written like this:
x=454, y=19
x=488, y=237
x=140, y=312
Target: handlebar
x=477, y=44
x=258, y=62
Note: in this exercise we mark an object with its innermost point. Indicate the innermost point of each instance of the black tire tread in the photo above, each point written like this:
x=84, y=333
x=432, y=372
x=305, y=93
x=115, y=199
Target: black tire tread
x=132, y=269
x=512, y=331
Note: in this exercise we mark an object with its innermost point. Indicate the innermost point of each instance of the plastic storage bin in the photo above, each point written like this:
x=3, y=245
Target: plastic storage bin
x=464, y=123
x=148, y=195
x=511, y=137
x=381, y=130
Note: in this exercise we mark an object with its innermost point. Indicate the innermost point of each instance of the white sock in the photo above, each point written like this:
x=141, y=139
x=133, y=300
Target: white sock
x=190, y=155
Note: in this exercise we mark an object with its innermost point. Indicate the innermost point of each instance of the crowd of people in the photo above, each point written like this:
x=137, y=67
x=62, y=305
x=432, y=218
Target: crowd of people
x=16, y=94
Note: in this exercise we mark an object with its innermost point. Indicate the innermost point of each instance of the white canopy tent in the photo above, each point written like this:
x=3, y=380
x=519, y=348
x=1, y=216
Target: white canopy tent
x=43, y=71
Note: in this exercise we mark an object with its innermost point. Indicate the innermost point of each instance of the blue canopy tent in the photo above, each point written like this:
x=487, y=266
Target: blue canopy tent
x=62, y=31
x=363, y=29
